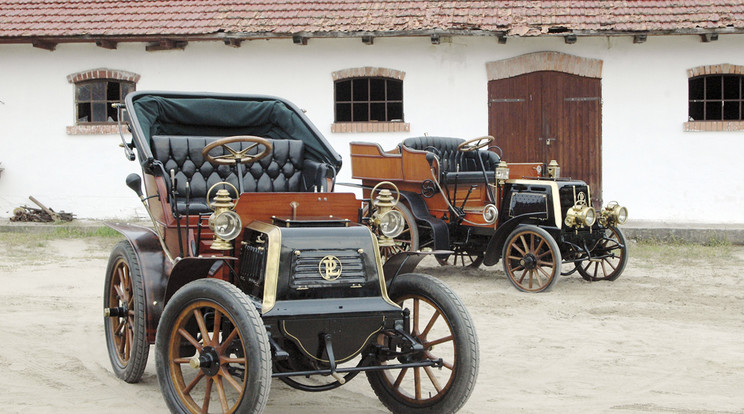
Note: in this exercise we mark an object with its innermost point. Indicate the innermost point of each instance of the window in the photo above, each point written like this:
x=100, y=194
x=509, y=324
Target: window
x=716, y=97
x=93, y=93
x=93, y=100
x=369, y=99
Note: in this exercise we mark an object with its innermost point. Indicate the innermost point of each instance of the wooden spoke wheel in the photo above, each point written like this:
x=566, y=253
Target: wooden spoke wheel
x=463, y=257
x=408, y=240
x=532, y=260
x=124, y=314
x=212, y=352
x=609, y=257
x=442, y=324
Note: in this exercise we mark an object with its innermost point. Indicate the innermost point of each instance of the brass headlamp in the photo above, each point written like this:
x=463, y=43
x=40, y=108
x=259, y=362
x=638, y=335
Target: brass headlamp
x=224, y=222
x=390, y=221
x=614, y=214
x=580, y=215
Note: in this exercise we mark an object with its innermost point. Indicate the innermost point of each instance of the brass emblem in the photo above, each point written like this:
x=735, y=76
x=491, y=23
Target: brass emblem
x=329, y=268
x=581, y=199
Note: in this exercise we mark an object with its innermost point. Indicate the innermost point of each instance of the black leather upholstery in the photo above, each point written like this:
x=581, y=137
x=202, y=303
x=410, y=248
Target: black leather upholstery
x=450, y=158
x=285, y=170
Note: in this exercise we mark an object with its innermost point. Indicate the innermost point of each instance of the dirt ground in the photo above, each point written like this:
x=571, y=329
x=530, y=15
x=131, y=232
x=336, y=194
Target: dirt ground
x=667, y=337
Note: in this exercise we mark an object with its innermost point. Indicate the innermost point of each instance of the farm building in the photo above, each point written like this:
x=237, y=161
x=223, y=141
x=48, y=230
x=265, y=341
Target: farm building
x=642, y=99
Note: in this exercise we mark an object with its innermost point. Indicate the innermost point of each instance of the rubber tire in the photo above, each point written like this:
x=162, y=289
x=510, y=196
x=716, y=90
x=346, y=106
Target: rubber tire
x=129, y=371
x=621, y=265
x=466, y=340
x=553, y=246
x=250, y=326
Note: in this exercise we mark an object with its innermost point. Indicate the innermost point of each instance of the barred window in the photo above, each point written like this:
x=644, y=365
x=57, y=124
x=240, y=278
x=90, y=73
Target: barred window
x=717, y=97
x=93, y=100
x=369, y=99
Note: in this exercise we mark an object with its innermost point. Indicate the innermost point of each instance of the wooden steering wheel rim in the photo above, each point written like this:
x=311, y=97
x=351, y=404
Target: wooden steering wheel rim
x=465, y=146
x=240, y=156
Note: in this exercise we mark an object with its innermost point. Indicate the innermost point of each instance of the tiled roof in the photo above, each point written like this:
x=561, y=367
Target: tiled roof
x=133, y=19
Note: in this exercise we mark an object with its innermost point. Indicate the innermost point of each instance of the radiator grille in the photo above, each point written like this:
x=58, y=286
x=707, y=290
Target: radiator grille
x=252, y=263
x=307, y=268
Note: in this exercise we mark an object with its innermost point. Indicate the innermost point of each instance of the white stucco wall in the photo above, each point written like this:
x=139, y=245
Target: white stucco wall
x=649, y=163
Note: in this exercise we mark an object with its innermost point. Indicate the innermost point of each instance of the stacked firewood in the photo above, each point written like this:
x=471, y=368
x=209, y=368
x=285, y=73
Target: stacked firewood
x=42, y=214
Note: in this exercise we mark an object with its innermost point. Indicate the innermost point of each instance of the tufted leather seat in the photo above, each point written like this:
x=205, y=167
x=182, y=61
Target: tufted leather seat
x=452, y=160
x=284, y=170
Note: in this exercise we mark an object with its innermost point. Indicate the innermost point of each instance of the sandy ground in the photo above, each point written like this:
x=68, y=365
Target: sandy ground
x=664, y=338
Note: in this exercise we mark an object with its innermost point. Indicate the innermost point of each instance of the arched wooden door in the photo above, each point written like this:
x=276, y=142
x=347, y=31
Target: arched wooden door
x=545, y=115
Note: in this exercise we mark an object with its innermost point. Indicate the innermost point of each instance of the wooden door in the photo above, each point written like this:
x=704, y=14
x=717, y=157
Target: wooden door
x=540, y=116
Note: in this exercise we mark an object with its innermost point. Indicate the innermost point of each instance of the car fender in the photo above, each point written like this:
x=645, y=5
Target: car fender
x=189, y=269
x=495, y=245
x=406, y=262
x=154, y=267
x=440, y=231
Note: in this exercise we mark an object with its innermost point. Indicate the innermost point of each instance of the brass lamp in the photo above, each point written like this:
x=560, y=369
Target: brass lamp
x=224, y=222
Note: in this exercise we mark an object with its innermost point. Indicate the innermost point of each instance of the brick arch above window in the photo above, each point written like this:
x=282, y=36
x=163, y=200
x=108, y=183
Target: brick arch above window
x=368, y=71
x=544, y=61
x=103, y=73
x=718, y=73
x=124, y=81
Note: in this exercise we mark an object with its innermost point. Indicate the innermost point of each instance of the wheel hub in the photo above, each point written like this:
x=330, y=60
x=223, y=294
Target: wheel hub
x=208, y=360
x=529, y=261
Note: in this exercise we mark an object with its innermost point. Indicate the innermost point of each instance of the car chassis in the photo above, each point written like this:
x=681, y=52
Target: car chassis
x=458, y=196
x=255, y=269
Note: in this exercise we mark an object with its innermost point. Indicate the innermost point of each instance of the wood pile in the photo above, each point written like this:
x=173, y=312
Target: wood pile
x=40, y=215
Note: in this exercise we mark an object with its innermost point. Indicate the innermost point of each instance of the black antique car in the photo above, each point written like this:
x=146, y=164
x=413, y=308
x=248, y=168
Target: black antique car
x=460, y=195
x=254, y=270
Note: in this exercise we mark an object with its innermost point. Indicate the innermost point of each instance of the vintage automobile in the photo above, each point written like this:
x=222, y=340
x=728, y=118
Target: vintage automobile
x=460, y=195
x=253, y=270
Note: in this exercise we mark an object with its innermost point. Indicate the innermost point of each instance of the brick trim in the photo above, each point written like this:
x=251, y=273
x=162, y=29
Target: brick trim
x=720, y=69
x=368, y=71
x=544, y=61
x=103, y=73
x=343, y=127
x=710, y=126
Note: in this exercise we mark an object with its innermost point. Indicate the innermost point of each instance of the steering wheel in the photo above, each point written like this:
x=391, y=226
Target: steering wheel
x=232, y=156
x=475, y=144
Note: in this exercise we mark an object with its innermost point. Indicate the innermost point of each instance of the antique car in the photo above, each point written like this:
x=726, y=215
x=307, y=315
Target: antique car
x=254, y=270
x=460, y=195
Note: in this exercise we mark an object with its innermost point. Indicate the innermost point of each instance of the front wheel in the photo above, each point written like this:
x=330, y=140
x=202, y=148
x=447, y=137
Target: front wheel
x=532, y=260
x=124, y=306
x=609, y=257
x=212, y=351
x=442, y=324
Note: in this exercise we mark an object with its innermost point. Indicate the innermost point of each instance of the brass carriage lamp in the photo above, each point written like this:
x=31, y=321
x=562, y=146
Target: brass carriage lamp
x=502, y=172
x=614, y=214
x=554, y=170
x=580, y=214
x=224, y=222
x=390, y=221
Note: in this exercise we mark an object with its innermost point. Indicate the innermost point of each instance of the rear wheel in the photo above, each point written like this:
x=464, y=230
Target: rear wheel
x=610, y=256
x=462, y=257
x=212, y=351
x=124, y=307
x=442, y=324
x=532, y=260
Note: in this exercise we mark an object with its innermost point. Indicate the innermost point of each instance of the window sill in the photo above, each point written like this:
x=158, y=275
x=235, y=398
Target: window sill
x=343, y=127
x=699, y=126
x=93, y=129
